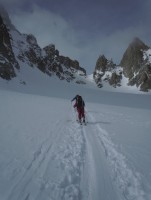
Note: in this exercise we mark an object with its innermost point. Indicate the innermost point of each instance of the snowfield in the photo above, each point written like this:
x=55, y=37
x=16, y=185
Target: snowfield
x=46, y=155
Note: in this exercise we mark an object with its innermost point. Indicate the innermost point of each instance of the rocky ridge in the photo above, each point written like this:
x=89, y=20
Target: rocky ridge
x=17, y=48
x=8, y=62
x=135, y=66
x=107, y=71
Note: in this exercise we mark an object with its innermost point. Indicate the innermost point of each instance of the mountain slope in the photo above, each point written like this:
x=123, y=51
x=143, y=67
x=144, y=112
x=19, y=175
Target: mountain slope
x=19, y=52
x=136, y=64
x=8, y=63
x=19, y=49
x=134, y=68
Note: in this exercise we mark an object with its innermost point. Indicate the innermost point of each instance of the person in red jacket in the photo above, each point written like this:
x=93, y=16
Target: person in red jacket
x=80, y=104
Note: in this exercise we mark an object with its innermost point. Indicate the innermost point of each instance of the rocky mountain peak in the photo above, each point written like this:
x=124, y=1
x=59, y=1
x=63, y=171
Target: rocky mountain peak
x=101, y=63
x=135, y=68
x=23, y=48
x=7, y=58
x=105, y=70
x=137, y=43
x=133, y=57
x=136, y=64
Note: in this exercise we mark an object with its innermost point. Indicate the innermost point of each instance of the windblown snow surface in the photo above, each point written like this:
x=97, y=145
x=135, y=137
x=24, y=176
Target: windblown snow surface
x=46, y=155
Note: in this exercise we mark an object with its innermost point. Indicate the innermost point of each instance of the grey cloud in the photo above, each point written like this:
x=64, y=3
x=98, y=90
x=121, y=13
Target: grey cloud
x=83, y=43
x=48, y=27
x=10, y=3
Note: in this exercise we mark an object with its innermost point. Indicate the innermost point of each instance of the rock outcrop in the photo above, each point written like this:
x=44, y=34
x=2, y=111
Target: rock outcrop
x=136, y=64
x=106, y=71
x=8, y=62
x=132, y=59
x=64, y=67
x=17, y=50
x=135, y=68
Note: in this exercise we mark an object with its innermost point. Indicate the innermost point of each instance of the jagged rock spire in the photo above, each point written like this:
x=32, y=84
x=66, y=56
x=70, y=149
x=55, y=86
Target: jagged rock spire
x=133, y=57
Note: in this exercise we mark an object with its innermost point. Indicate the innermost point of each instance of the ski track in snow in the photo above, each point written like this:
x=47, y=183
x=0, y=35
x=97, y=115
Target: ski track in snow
x=61, y=155
x=87, y=163
x=126, y=180
x=28, y=175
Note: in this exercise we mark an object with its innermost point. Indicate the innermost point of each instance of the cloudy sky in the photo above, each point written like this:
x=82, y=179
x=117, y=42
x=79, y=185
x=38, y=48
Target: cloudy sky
x=84, y=29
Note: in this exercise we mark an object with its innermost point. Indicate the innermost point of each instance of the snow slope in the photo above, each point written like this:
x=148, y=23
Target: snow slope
x=46, y=155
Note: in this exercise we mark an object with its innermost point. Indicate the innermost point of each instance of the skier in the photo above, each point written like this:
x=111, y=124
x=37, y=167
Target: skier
x=79, y=104
x=75, y=98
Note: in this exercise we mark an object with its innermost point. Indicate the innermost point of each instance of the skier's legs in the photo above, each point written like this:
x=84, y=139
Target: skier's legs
x=79, y=114
x=83, y=114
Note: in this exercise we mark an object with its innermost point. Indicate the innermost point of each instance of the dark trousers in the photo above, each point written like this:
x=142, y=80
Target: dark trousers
x=81, y=113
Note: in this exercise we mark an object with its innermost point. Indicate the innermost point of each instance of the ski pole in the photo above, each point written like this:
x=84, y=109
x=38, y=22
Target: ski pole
x=86, y=116
x=74, y=112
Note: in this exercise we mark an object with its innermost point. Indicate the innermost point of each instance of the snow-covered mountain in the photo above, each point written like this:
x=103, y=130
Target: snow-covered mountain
x=8, y=62
x=134, y=68
x=44, y=153
x=107, y=71
x=18, y=50
x=20, y=55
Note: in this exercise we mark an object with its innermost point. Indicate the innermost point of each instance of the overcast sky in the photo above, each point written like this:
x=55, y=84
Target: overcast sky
x=84, y=29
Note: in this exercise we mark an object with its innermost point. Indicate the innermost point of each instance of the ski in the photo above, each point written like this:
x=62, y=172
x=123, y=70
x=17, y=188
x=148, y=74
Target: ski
x=81, y=123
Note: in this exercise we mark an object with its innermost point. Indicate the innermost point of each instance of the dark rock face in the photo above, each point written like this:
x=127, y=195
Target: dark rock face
x=64, y=67
x=34, y=53
x=115, y=79
x=5, y=17
x=28, y=51
x=136, y=65
x=106, y=71
x=101, y=64
x=7, y=58
x=132, y=59
x=142, y=79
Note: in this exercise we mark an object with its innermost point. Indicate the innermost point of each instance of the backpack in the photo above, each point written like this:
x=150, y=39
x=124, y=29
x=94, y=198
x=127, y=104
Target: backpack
x=79, y=102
